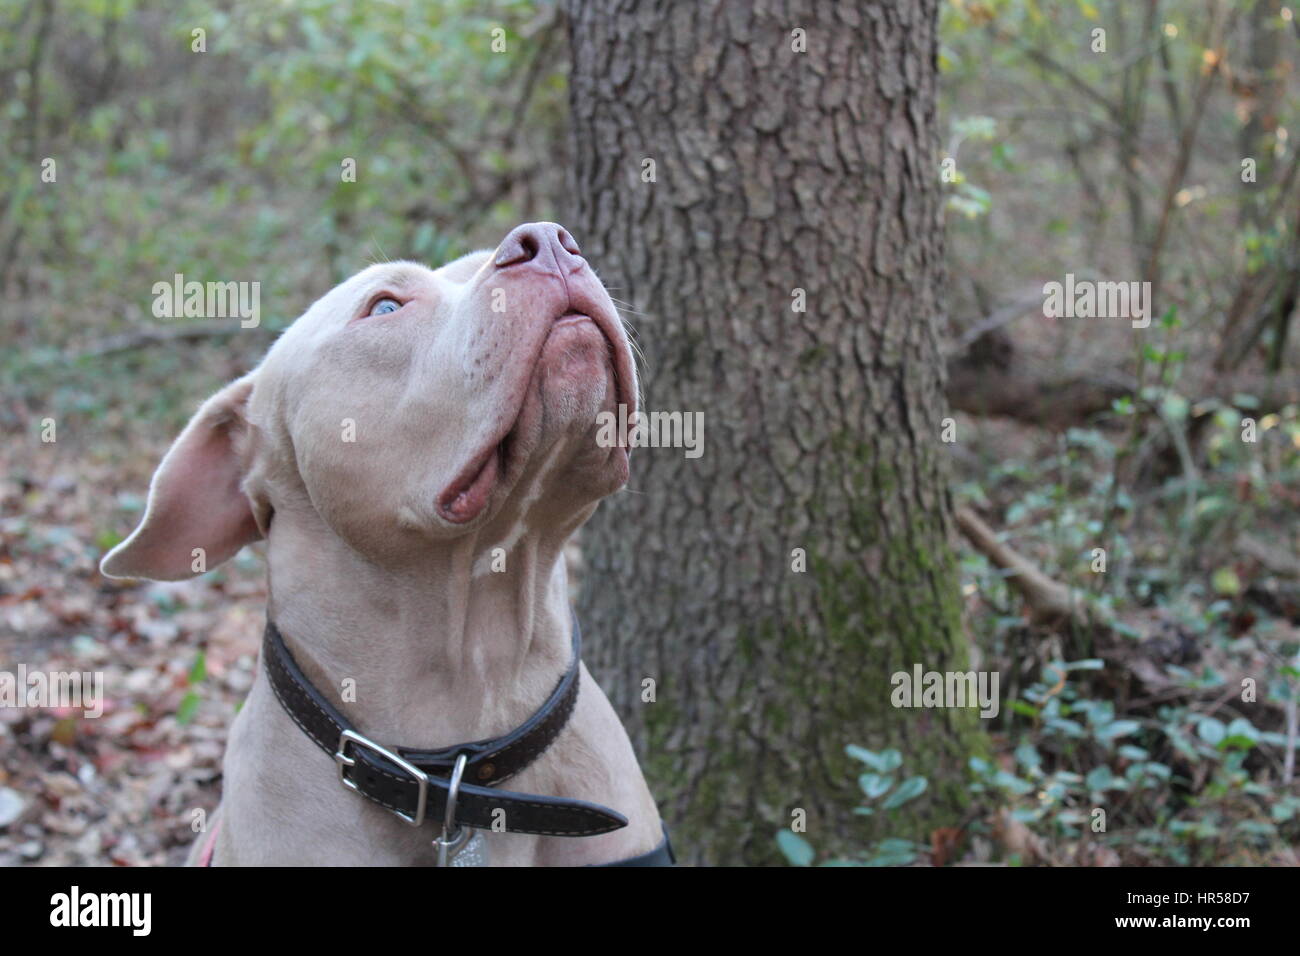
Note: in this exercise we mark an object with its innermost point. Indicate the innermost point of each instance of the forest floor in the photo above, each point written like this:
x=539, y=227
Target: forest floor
x=177, y=659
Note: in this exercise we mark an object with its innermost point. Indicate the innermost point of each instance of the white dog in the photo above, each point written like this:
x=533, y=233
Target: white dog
x=416, y=449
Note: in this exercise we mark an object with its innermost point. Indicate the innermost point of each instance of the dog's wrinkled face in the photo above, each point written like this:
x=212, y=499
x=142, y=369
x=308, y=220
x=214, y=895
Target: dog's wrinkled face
x=457, y=388
x=412, y=405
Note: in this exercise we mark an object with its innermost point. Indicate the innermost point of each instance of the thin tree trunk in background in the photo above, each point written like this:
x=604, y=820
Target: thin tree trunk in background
x=776, y=171
x=1267, y=295
x=1259, y=92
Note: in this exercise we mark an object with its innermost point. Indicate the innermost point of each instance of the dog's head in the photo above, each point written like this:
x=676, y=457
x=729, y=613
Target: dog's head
x=406, y=407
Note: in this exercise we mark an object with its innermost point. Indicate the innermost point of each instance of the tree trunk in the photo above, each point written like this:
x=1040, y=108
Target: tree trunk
x=776, y=174
x=1260, y=87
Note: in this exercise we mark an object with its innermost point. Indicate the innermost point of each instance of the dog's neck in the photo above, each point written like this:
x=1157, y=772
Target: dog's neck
x=439, y=651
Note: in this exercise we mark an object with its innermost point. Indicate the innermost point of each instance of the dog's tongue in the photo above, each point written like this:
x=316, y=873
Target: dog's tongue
x=462, y=502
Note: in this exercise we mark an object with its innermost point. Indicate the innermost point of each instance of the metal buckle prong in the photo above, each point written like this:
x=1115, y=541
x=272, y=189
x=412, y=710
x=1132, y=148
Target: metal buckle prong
x=344, y=761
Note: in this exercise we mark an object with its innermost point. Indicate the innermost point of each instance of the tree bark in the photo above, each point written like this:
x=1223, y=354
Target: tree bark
x=775, y=171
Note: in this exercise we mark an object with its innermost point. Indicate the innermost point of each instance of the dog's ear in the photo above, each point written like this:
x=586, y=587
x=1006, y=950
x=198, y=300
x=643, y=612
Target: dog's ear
x=196, y=498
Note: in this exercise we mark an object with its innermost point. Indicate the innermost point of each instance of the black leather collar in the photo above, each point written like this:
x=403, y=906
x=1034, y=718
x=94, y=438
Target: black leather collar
x=414, y=784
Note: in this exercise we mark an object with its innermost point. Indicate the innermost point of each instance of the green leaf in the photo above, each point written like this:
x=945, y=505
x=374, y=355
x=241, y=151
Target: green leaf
x=909, y=789
x=874, y=785
x=1027, y=756
x=1226, y=582
x=199, y=669
x=893, y=852
x=189, y=705
x=1071, y=728
x=882, y=762
x=1009, y=781
x=1256, y=827
x=1100, y=779
x=1241, y=727
x=1211, y=731
x=868, y=757
x=796, y=849
x=1118, y=728
x=1175, y=406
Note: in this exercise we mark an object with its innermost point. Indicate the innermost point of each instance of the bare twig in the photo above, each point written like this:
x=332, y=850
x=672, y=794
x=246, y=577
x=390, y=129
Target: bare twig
x=156, y=335
x=1007, y=313
x=1048, y=601
x=1183, y=161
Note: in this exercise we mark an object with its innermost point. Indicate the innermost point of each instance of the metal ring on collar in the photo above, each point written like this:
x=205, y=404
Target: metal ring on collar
x=449, y=842
x=453, y=791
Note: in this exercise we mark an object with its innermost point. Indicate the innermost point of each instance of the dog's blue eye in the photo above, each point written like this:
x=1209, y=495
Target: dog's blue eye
x=385, y=306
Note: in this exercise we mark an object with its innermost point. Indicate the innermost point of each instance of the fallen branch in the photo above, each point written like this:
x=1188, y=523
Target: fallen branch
x=1273, y=559
x=1049, y=602
x=157, y=335
x=1003, y=316
x=990, y=380
x=1051, y=402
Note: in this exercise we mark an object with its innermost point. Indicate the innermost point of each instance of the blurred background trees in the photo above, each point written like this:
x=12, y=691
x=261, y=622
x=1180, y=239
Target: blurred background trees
x=228, y=163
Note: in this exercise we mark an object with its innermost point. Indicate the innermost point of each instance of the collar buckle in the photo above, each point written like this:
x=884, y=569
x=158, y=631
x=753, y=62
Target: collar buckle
x=365, y=743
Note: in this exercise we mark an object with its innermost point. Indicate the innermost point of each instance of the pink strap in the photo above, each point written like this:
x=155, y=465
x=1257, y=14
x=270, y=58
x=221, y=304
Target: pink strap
x=205, y=855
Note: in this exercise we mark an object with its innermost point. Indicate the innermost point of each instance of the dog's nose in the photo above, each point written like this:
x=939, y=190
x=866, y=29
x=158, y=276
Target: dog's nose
x=537, y=242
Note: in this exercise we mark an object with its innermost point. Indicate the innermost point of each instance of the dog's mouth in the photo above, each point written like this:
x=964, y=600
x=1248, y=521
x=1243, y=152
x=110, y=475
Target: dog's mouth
x=466, y=497
x=470, y=492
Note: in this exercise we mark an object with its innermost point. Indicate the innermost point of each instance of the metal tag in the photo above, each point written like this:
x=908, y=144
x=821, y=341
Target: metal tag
x=473, y=853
